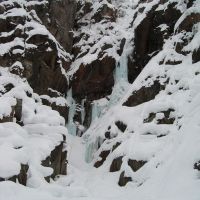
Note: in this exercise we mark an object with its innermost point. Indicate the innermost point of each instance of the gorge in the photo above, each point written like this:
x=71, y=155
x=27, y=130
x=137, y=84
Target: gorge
x=100, y=99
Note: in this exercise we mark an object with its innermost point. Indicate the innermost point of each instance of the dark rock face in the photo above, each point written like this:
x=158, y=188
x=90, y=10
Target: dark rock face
x=62, y=109
x=103, y=155
x=136, y=165
x=57, y=161
x=123, y=180
x=165, y=120
x=38, y=56
x=116, y=146
x=44, y=76
x=42, y=65
x=122, y=127
x=16, y=113
x=196, y=56
x=105, y=12
x=59, y=21
x=149, y=37
x=144, y=94
x=94, y=81
x=197, y=166
x=88, y=113
x=21, y=177
x=116, y=164
x=188, y=22
x=44, y=68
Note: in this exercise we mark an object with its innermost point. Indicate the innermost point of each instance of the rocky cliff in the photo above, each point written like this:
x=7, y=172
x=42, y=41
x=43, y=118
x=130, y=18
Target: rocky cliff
x=121, y=75
x=34, y=62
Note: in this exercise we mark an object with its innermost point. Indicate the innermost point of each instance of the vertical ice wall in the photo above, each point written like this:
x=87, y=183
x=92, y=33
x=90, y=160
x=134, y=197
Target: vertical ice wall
x=72, y=110
x=99, y=107
x=121, y=71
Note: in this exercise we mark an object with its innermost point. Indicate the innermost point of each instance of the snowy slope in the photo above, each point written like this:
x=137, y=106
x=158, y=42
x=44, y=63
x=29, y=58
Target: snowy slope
x=144, y=136
x=41, y=131
x=157, y=149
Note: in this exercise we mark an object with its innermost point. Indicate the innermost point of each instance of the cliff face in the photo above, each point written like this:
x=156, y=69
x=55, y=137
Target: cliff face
x=124, y=76
x=137, y=100
x=33, y=60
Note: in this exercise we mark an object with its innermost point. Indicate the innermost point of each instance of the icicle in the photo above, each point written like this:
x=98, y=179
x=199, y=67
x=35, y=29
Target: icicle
x=91, y=148
x=82, y=110
x=95, y=110
x=121, y=72
x=121, y=80
x=99, y=106
x=71, y=126
x=89, y=152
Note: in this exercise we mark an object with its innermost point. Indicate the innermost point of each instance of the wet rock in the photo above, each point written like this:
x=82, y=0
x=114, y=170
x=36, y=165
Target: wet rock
x=116, y=164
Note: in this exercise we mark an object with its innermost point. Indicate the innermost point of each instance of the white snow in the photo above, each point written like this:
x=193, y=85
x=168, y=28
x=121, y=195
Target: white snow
x=169, y=173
